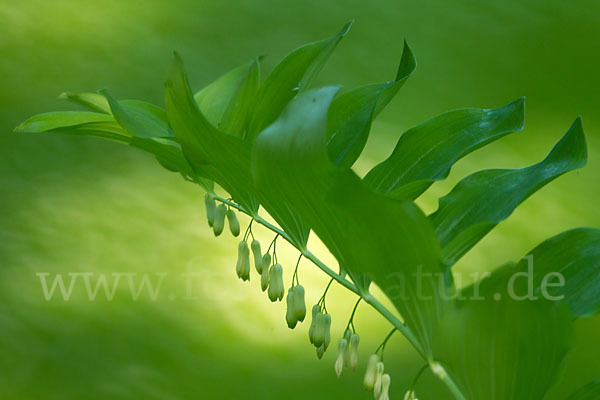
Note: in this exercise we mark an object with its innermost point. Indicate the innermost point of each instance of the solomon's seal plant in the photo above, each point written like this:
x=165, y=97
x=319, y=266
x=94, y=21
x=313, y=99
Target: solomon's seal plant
x=277, y=146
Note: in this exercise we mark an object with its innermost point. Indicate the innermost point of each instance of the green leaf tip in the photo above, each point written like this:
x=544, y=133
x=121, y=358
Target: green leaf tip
x=408, y=62
x=572, y=147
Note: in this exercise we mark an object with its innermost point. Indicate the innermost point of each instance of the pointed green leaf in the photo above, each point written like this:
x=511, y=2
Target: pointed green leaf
x=480, y=201
x=293, y=75
x=140, y=118
x=217, y=156
x=94, y=101
x=590, y=391
x=426, y=152
x=352, y=113
x=227, y=102
x=60, y=119
x=372, y=236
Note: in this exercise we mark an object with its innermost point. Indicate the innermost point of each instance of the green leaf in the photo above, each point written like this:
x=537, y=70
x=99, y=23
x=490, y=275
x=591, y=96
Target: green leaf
x=352, y=113
x=227, y=102
x=372, y=236
x=575, y=255
x=93, y=101
x=293, y=75
x=590, y=391
x=60, y=119
x=140, y=118
x=480, y=201
x=83, y=123
x=217, y=156
x=425, y=153
x=490, y=348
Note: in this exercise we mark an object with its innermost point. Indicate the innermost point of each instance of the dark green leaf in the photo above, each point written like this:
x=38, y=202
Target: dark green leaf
x=227, y=102
x=371, y=235
x=426, y=152
x=293, y=75
x=352, y=113
x=483, y=199
x=217, y=156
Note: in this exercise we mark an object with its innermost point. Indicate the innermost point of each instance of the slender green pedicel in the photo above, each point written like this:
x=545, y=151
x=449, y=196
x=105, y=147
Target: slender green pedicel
x=276, y=289
x=219, y=221
x=234, y=224
x=211, y=208
x=258, y=264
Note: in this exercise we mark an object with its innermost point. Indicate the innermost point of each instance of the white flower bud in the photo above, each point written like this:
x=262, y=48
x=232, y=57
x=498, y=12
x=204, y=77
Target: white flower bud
x=339, y=362
x=410, y=395
x=370, y=374
x=347, y=335
x=385, y=387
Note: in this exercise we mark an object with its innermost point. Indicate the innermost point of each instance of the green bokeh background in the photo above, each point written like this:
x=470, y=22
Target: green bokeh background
x=72, y=204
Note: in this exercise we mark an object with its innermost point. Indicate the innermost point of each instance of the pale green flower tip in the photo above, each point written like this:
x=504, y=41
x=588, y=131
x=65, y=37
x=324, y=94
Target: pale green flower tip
x=410, y=395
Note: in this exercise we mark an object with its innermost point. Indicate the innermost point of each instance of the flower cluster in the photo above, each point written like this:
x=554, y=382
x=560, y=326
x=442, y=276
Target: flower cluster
x=319, y=332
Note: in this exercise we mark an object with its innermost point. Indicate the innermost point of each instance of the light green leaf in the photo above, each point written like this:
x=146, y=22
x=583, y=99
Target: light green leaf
x=425, y=153
x=372, y=236
x=227, y=102
x=293, y=75
x=94, y=101
x=483, y=199
x=352, y=113
x=140, y=118
x=217, y=156
x=590, y=391
x=60, y=119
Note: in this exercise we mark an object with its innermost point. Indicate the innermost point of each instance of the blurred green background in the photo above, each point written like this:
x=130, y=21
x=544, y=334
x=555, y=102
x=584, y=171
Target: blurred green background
x=72, y=204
